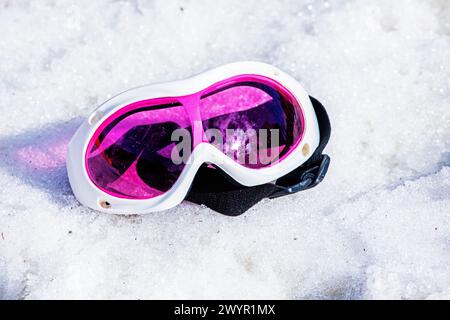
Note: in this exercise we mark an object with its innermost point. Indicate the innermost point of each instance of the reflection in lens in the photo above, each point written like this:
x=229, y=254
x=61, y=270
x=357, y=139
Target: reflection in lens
x=259, y=124
x=128, y=157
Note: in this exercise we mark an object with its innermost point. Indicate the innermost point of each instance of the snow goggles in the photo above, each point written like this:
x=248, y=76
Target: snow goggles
x=226, y=138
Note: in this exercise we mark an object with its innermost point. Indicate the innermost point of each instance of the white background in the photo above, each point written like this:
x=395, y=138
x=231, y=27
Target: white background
x=377, y=227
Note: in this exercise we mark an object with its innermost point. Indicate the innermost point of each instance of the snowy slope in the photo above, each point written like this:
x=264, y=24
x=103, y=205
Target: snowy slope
x=378, y=226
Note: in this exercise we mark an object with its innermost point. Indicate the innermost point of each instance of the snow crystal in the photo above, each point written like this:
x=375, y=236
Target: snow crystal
x=377, y=227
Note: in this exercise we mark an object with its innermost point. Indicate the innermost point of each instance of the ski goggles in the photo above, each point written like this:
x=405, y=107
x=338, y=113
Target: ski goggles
x=226, y=138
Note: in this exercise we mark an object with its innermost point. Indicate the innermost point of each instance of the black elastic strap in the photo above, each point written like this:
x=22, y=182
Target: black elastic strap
x=218, y=191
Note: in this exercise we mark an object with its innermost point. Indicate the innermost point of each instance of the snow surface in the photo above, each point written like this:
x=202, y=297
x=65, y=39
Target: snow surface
x=378, y=226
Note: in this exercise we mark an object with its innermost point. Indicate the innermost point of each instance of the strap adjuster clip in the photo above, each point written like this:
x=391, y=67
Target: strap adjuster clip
x=309, y=178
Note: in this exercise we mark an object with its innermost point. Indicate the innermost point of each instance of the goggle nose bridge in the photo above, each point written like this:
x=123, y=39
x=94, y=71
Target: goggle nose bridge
x=191, y=104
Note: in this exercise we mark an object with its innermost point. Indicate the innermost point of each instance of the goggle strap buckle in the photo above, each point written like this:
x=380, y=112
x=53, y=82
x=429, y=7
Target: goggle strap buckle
x=310, y=177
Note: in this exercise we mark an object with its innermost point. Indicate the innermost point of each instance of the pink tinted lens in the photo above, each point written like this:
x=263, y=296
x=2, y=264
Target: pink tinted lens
x=259, y=122
x=127, y=156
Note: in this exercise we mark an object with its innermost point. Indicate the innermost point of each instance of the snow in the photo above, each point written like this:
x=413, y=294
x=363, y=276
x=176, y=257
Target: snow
x=377, y=227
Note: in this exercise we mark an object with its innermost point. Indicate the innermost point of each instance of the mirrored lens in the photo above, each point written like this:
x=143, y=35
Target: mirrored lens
x=130, y=155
